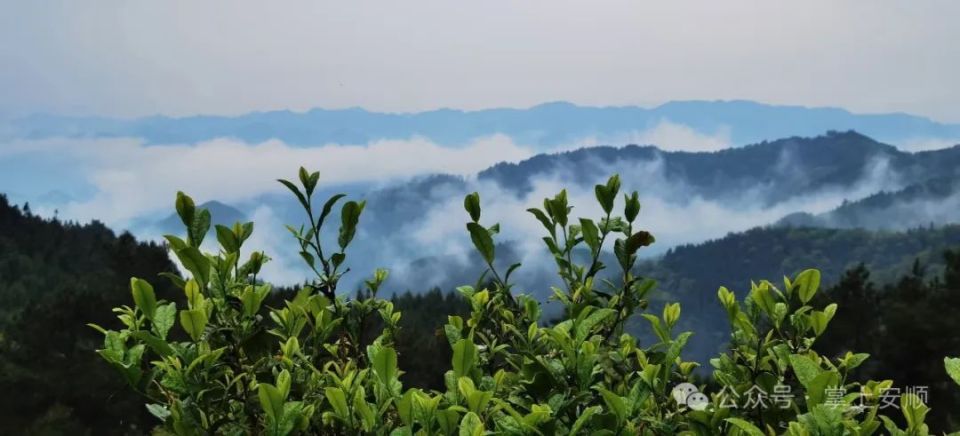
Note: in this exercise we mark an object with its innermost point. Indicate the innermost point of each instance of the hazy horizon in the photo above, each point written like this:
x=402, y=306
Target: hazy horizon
x=180, y=57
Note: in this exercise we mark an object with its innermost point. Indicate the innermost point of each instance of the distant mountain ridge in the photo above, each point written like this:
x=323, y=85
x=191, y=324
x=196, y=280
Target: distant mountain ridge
x=933, y=201
x=777, y=170
x=773, y=252
x=546, y=125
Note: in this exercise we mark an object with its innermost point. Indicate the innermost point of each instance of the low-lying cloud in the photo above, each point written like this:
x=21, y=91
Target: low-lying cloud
x=131, y=179
x=668, y=136
x=927, y=144
x=672, y=210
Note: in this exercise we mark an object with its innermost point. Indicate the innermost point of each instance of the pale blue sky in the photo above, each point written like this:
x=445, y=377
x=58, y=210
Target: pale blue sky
x=179, y=57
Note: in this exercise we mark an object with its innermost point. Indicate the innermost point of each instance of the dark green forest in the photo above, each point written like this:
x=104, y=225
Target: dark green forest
x=55, y=277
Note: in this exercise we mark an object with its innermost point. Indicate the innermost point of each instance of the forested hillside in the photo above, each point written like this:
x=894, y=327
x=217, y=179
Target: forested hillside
x=692, y=273
x=55, y=277
x=894, y=290
x=905, y=325
x=774, y=252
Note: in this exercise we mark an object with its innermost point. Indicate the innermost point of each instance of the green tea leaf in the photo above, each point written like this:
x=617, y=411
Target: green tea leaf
x=175, y=279
x=915, y=412
x=632, y=207
x=308, y=180
x=349, y=218
x=194, y=321
x=158, y=345
x=385, y=364
x=195, y=262
x=583, y=419
x=159, y=411
x=855, y=360
x=251, y=300
x=185, y=208
x=637, y=240
x=558, y=208
x=271, y=399
x=199, y=228
x=482, y=241
x=807, y=283
x=327, y=208
x=805, y=369
x=405, y=407
x=603, y=197
x=953, y=368
x=544, y=219
x=283, y=382
x=449, y=420
x=296, y=191
x=338, y=400
x=227, y=239
x=586, y=327
x=817, y=387
x=747, y=427
x=615, y=403
x=144, y=297
x=472, y=205
x=164, y=319
x=464, y=357
x=471, y=425
x=246, y=229
x=591, y=235
x=671, y=314
x=607, y=194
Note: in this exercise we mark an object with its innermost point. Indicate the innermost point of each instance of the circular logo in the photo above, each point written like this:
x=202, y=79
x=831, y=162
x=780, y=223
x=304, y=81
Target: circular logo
x=698, y=401
x=688, y=395
x=682, y=391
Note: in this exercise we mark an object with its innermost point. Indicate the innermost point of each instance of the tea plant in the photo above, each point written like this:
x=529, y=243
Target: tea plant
x=237, y=367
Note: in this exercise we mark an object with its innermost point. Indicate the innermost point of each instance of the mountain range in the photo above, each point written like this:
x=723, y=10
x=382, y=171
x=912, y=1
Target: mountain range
x=836, y=180
x=546, y=126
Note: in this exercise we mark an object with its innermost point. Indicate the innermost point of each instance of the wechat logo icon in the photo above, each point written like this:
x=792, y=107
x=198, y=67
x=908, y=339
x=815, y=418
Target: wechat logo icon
x=687, y=394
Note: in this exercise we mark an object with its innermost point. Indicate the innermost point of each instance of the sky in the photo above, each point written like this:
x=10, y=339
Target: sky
x=183, y=57
x=128, y=59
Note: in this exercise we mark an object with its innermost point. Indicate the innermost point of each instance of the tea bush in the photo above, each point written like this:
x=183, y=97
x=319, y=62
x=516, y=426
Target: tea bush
x=237, y=367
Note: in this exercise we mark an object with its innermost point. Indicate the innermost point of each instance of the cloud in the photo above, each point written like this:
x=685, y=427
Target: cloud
x=674, y=211
x=927, y=144
x=131, y=179
x=672, y=136
x=270, y=237
x=119, y=179
x=668, y=136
